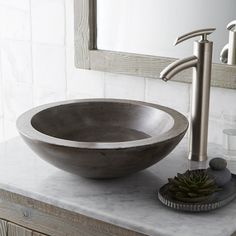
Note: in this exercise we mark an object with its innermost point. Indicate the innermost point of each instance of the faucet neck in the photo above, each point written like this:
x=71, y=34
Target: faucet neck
x=200, y=101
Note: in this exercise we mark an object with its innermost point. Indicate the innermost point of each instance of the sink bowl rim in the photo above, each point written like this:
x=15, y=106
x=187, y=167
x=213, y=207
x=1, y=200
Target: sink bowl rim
x=26, y=129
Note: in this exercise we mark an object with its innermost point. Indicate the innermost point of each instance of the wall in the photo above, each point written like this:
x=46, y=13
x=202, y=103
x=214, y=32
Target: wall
x=36, y=67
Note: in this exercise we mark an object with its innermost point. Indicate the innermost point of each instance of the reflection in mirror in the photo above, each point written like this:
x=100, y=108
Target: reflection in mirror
x=228, y=53
x=151, y=26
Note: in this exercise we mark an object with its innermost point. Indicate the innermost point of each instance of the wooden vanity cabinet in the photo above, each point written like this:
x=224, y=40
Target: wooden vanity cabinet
x=11, y=229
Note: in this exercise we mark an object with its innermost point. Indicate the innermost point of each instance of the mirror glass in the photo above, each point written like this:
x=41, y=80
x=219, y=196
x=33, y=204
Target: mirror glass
x=151, y=26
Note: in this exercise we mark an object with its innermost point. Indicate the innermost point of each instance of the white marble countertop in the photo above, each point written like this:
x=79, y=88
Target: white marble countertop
x=129, y=202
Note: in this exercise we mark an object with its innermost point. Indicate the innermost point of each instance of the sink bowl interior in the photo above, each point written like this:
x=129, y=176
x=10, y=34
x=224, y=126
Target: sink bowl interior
x=102, y=122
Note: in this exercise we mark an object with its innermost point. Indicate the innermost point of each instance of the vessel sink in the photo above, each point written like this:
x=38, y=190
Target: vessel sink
x=102, y=138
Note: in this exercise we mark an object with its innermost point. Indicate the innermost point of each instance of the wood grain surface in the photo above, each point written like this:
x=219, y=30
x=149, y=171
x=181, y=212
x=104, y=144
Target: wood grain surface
x=15, y=230
x=51, y=220
x=3, y=228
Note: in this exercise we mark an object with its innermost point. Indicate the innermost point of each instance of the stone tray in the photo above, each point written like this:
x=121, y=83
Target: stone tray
x=218, y=200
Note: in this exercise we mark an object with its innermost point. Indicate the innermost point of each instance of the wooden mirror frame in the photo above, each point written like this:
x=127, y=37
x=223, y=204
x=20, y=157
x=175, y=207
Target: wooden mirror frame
x=88, y=56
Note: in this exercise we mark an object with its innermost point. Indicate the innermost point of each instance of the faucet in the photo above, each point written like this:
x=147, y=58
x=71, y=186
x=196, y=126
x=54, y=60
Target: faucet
x=201, y=62
x=228, y=53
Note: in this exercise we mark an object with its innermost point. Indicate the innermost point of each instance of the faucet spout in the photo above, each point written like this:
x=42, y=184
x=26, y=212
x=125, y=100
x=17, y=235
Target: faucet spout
x=178, y=66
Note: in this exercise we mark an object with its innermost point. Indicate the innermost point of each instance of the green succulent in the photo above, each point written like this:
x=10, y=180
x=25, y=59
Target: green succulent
x=192, y=186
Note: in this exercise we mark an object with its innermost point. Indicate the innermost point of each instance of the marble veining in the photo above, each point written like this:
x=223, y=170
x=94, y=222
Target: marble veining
x=129, y=202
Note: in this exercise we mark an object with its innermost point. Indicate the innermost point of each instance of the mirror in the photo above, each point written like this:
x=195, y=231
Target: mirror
x=228, y=53
x=150, y=27
x=105, y=41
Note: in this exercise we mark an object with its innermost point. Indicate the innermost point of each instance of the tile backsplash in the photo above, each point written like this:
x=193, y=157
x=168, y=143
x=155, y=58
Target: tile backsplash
x=37, y=66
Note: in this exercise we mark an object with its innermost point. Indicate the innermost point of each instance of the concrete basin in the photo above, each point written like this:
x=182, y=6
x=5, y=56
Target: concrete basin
x=102, y=138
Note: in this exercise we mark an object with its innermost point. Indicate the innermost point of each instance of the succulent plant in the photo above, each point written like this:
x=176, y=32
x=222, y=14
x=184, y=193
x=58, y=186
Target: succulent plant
x=192, y=186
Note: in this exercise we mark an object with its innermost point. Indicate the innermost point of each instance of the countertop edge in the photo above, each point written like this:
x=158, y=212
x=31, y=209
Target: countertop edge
x=32, y=213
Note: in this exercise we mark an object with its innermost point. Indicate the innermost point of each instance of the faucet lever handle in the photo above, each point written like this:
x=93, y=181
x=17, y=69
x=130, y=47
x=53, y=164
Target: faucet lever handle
x=232, y=26
x=201, y=32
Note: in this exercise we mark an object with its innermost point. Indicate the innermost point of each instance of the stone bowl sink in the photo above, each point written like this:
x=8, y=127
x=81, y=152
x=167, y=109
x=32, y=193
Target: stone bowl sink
x=102, y=138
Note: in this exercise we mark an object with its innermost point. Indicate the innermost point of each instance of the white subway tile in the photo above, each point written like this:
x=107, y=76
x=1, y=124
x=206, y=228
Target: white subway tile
x=1, y=130
x=80, y=81
x=48, y=21
x=1, y=113
x=71, y=70
x=14, y=23
x=10, y=130
x=47, y=95
x=124, y=86
x=49, y=67
x=18, y=98
x=1, y=105
x=229, y=121
x=215, y=131
x=1, y=97
x=171, y=94
x=69, y=19
x=85, y=82
x=222, y=102
x=16, y=61
x=19, y=4
x=72, y=96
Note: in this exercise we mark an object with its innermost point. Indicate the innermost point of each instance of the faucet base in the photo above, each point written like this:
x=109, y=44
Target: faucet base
x=197, y=157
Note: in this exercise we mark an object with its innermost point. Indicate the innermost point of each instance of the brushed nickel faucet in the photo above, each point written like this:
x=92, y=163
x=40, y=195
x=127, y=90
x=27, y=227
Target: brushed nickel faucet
x=228, y=53
x=201, y=62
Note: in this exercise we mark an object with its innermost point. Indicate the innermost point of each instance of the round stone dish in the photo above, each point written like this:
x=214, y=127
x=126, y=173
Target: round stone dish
x=218, y=199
